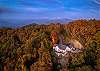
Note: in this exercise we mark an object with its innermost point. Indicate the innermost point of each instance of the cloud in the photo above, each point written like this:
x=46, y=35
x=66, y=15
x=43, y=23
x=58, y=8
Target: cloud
x=50, y=9
x=97, y=1
x=7, y=10
x=34, y=9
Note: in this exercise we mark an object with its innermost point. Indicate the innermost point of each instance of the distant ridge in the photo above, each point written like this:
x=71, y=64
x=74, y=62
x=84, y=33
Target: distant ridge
x=47, y=21
x=20, y=23
x=62, y=21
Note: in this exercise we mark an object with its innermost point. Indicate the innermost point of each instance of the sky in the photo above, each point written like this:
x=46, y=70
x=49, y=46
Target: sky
x=24, y=11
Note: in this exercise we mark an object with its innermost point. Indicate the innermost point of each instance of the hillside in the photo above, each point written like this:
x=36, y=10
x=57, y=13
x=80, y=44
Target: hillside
x=29, y=48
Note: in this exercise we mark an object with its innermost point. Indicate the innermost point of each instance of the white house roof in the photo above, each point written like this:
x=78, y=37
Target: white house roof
x=61, y=49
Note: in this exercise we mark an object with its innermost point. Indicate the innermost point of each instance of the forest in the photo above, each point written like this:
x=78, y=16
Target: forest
x=29, y=48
